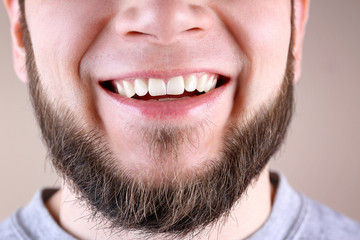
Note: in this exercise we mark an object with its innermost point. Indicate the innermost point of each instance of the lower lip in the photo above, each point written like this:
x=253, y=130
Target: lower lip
x=172, y=109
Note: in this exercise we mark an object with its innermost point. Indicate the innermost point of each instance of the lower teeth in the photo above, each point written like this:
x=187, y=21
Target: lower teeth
x=170, y=99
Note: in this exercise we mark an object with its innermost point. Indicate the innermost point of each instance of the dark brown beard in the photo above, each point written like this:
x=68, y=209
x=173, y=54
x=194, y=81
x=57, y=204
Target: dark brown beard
x=82, y=157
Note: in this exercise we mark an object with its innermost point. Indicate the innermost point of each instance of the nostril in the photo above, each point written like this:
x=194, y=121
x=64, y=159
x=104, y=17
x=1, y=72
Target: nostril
x=139, y=34
x=192, y=31
x=195, y=29
x=134, y=33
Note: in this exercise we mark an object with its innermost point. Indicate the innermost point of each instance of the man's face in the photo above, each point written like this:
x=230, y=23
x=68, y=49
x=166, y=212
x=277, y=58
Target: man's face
x=85, y=49
x=83, y=44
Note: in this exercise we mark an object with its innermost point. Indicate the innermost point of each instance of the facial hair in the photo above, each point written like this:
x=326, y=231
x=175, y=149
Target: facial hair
x=83, y=158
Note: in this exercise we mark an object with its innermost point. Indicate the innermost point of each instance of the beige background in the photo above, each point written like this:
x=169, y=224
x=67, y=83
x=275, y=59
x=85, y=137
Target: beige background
x=320, y=158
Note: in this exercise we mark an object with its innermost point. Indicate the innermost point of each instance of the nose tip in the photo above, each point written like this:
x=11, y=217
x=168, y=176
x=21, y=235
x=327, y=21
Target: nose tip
x=163, y=21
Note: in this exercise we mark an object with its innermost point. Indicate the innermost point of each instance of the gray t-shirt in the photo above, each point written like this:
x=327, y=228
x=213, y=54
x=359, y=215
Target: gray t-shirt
x=293, y=216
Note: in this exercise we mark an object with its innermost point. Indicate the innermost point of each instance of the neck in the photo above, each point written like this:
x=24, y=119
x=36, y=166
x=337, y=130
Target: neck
x=246, y=217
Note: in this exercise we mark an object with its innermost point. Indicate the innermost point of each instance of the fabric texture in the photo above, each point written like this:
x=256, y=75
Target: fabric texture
x=293, y=216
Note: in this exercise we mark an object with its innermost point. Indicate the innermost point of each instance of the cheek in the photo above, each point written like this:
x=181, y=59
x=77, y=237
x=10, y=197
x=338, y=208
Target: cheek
x=61, y=32
x=262, y=29
x=269, y=48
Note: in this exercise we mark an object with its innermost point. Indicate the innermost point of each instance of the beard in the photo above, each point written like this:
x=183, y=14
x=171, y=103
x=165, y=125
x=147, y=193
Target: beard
x=83, y=158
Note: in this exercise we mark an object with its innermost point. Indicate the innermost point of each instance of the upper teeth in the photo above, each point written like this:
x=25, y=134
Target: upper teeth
x=173, y=86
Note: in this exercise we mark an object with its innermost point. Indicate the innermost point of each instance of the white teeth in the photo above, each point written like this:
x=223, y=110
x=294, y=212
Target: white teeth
x=190, y=83
x=141, y=87
x=120, y=89
x=157, y=87
x=208, y=84
x=175, y=86
x=201, y=84
x=129, y=89
x=213, y=85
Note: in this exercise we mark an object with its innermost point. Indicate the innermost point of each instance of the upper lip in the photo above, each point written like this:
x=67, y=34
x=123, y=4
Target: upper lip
x=165, y=74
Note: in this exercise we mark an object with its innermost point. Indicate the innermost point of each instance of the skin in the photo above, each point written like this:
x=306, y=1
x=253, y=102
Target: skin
x=252, y=43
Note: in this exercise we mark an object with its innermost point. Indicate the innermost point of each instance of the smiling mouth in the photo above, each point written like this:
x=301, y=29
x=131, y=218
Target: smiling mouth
x=165, y=89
